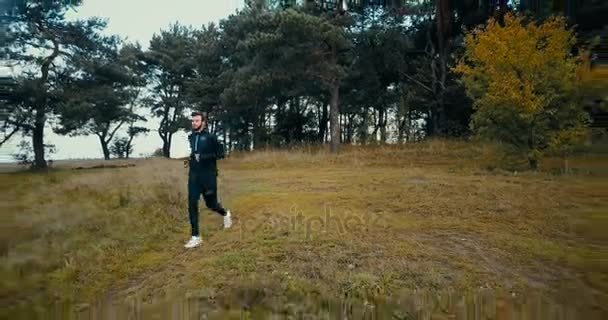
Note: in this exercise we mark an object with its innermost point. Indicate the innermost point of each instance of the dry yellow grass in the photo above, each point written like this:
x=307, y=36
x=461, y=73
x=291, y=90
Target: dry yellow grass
x=368, y=222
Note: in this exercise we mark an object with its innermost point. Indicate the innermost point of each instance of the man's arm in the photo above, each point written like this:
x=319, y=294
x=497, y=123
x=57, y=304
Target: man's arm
x=187, y=161
x=212, y=148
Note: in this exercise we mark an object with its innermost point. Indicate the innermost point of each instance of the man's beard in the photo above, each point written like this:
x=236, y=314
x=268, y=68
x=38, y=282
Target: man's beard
x=197, y=128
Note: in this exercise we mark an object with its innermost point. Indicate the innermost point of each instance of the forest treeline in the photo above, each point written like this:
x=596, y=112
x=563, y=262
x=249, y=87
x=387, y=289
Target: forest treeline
x=278, y=73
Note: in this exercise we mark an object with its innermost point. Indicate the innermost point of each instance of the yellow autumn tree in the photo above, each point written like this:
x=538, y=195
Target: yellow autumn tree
x=522, y=77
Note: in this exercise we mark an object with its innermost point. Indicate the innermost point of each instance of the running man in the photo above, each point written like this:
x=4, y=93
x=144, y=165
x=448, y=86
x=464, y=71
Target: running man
x=202, y=176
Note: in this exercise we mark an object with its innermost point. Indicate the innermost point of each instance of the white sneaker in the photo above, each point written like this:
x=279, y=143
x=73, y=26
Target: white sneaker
x=227, y=220
x=194, y=242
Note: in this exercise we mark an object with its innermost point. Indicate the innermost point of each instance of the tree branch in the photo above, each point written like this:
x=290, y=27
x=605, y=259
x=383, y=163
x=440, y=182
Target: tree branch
x=418, y=82
x=20, y=124
x=6, y=138
x=114, y=131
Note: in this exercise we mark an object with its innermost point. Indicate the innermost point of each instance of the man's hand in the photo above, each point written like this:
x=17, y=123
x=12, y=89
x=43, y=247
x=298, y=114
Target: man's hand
x=186, y=163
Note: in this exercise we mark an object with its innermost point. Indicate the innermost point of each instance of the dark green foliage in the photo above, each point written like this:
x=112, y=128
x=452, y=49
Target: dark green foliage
x=97, y=100
x=42, y=40
x=121, y=148
x=171, y=66
x=275, y=73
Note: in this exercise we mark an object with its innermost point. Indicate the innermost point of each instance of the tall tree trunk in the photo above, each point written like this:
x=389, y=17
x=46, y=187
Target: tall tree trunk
x=364, y=126
x=323, y=123
x=408, y=126
x=280, y=113
x=334, y=107
x=38, y=142
x=166, y=145
x=318, y=114
x=377, y=121
x=106, y=151
x=163, y=131
x=334, y=116
x=225, y=141
x=444, y=21
x=104, y=145
x=169, y=142
x=351, y=127
x=166, y=149
x=342, y=126
x=129, y=142
x=402, y=117
x=383, y=116
x=41, y=105
x=401, y=130
x=347, y=124
x=431, y=126
x=258, y=126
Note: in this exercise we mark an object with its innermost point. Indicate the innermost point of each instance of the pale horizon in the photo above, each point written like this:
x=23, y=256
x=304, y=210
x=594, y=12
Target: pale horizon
x=156, y=15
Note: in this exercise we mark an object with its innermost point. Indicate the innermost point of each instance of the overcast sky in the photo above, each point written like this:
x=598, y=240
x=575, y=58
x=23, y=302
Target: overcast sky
x=137, y=20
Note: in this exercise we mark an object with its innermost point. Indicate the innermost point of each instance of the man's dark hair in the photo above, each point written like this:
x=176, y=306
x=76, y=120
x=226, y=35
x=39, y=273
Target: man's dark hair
x=201, y=114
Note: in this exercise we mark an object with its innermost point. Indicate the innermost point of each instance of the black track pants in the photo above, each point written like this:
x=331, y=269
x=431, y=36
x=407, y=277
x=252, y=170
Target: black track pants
x=209, y=191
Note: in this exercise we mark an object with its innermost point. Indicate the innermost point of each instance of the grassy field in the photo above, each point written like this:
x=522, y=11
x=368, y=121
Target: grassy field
x=368, y=223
